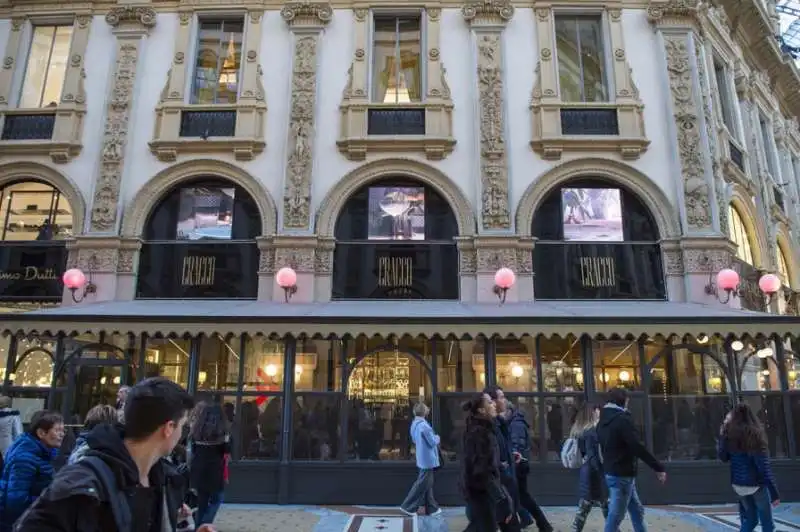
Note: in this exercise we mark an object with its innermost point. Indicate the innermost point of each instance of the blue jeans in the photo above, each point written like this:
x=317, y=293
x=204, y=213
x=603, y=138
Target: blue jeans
x=208, y=505
x=755, y=509
x=623, y=497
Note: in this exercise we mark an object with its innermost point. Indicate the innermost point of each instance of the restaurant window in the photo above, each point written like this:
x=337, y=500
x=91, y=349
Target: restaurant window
x=34, y=363
x=793, y=368
x=395, y=239
x=688, y=395
x=200, y=244
x=739, y=234
x=596, y=240
x=396, y=59
x=581, y=58
x=218, y=363
x=169, y=358
x=46, y=66
x=218, y=61
x=616, y=364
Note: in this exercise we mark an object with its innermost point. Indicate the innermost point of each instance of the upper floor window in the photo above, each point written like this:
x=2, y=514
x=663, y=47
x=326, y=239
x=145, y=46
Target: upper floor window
x=46, y=66
x=581, y=67
x=31, y=210
x=783, y=269
x=396, y=59
x=766, y=143
x=725, y=103
x=739, y=235
x=218, y=61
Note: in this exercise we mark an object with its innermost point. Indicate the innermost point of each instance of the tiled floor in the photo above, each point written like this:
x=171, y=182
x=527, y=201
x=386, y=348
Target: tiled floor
x=267, y=518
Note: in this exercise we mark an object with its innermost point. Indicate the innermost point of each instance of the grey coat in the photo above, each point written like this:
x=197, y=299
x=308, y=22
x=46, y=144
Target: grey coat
x=10, y=428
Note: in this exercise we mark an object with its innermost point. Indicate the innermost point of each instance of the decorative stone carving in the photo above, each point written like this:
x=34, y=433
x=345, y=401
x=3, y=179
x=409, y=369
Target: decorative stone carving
x=302, y=260
x=491, y=259
x=488, y=11
x=494, y=172
x=307, y=13
x=696, y=190
x=468, y=261
x=143, y=16
x=673, y=262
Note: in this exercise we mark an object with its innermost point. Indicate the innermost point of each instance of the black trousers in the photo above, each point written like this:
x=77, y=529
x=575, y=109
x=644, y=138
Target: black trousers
x=527, y=502
x=482, y=515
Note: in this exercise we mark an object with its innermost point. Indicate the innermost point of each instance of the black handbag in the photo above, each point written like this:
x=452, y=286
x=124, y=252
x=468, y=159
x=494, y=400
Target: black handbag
x=441, y=459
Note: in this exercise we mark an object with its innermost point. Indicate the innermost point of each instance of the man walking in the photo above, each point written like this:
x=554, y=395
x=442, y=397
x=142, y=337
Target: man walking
x=122, y=484
x=507, y=459
x=621, y=450
x=427, y=450
x=521, y=451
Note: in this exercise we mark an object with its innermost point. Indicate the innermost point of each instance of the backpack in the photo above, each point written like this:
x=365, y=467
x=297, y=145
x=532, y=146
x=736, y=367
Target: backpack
x=116, y=498
x=571, y=454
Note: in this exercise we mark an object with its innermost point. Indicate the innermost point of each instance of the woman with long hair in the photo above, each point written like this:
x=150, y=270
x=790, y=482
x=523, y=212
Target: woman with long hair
x=592, y=489
x=488, y=502
x=743, y=443
x=209, y=446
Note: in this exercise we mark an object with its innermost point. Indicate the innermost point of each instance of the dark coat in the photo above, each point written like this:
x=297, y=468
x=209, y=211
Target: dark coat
x=207, y=465
x=480, y=465
x=28, y=470
x=620, y=444
x=520, y=434
x=592, y=484
x=75, y=502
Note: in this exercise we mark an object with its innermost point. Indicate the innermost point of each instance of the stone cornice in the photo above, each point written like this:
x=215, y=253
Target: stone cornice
x=131, y=17
x=680, y=13
x=307, y=14
x=488, y=12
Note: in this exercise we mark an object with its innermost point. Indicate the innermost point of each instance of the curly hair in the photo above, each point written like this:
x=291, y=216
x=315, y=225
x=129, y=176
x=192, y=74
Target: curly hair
x=744, y=431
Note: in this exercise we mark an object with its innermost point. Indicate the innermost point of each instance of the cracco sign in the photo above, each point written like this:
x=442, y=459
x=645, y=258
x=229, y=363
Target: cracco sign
x=32, y=271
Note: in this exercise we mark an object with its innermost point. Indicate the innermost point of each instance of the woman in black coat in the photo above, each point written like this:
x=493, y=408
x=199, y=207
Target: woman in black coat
x=592, y=489
x=209, y=443
x=488, y=502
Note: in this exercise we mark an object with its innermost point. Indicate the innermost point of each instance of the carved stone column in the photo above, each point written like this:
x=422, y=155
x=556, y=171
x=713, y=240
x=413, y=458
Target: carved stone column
x=488, y=19
x=306, y=21
x=298, y=253
x=495, y=252
x=110, y=263
x=130, y=24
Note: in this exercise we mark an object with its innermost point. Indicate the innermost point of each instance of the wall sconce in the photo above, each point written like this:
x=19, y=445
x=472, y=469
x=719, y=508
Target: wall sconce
x=503, y=280
x=727, y=280
x=769, y=284
x=624, y=376
x=287, y=279
x=75, y=279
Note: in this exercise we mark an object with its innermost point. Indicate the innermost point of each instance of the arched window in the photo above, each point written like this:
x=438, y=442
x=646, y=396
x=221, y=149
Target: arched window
x=200, y=243
x=36, y=219
x=596, y=240
x=783, y=268
x=395, y=239
x=737, y=232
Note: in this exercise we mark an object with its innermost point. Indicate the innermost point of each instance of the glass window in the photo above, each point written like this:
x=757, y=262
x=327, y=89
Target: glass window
x=451, y=425
x=168, y=357
x=218, y=61
x=5, y=345
x=581, y=67
x=766, y=143
x=769, y=410
x=616, y=364
x=263, y=365
x=529, y=406
x=794, y=402
x=783, y=269
x=516, y=366
x=460, y=365
x=315, y=435
x=218, y=366
x=396, y=59
x=721, y=76
x=318, y=365
x=793, y=369
x=259, y=427
x=34, y=363
x=739, y=235
x=559, y=412
x=757, y=368
x=31, y=210
x=46, y=67
x=562, y=364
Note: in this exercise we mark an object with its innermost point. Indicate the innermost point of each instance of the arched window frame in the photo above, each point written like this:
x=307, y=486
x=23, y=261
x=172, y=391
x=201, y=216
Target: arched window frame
x=740, y=235
x=783, y=265
x=55, y=204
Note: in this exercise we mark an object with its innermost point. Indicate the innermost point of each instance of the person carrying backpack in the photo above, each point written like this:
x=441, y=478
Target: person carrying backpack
x=123, y=483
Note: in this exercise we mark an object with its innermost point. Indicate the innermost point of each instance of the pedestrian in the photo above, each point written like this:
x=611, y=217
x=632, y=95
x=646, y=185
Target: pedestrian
x=122, y=395
x=488, y=501
x=209, y=445
x=426, y=443
x=28, y=467
x=592, y=489
x=621, y=451
x=521, y=450
x=97, y=415
x=743, y=443
x=508, y=474
x=10, y=425
x=122, y=483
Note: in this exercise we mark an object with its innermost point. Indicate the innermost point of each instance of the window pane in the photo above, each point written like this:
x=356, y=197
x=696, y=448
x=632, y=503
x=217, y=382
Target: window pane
x=259, y=427
x=396, y=65
x=218, y=366
x=168, y=357
x=724, y=94
x=29, y=402
x=318, y=365
x=451, y=426
x=616, y=364
x=739, y=235
x=36, y=69
x=562, y=366
x=384, y=52
x=758, y=368
x=263, y=365
x=34, y=211
x=686, y=427
x=769, y=410
x=516, y=368
x=460, y=365
x=408, y=85
x=529, y=406
x=792, y=367
x=569, y=60
x=559, y=413
x=591, y=48
x=316, y=427
x=58, y=67
x=5, y=345
x=794, y=402
x=34, y=363
x=219, y=54
x=231, y=56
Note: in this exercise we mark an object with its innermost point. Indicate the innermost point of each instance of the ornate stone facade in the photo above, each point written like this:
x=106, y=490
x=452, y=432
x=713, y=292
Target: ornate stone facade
x=488, y=19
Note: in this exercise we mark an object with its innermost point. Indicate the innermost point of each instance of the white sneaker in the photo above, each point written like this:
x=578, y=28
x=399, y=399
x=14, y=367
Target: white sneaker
x=437, y=512
x=407, y=512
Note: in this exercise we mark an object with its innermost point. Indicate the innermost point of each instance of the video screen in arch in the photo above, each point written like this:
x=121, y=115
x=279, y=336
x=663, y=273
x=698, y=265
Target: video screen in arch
x=396, y=213
x=206, y=213
x=592, y=214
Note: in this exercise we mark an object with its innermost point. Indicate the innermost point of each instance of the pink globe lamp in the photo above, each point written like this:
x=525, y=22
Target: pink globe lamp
x=287, y=279
x=74, y=279
x=504, y=279
x=769, y=284
x=727, y=280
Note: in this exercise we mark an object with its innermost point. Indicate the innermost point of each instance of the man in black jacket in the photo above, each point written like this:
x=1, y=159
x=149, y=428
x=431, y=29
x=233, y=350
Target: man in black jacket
x=123, y=483
x=507, y=459
x=620, y=452
x=521, y=451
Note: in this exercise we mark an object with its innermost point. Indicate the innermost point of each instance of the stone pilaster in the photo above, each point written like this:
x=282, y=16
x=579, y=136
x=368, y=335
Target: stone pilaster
x=689, y=263
x=306, y=21
x=488, y=19
x=677, y=24
x=495, y=252
x=129, y=24
x=300, y=254
x=111, y=262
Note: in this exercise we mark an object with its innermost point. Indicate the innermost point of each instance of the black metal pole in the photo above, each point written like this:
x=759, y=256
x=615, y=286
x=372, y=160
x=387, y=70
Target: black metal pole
x=290, y=352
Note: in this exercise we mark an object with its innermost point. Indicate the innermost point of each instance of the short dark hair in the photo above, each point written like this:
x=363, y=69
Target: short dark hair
x=618, y=396
x=152, y=403
x=492, y=390
x=45, y=420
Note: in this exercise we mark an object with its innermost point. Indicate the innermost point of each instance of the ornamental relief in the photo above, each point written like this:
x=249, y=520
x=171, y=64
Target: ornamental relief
x=696, y=190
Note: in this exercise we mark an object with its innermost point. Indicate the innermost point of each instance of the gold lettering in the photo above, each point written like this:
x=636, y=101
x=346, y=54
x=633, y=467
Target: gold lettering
x=29, y=273
x=198, y=271
x=598, y=272
x=395, y=272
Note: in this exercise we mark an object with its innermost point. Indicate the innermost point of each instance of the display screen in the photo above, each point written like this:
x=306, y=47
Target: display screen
x=205, y=213
x=396, y=213
x=592, y=214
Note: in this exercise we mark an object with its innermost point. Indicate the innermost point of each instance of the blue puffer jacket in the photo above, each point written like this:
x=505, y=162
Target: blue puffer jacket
x=27, y=472
x=748, y=469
